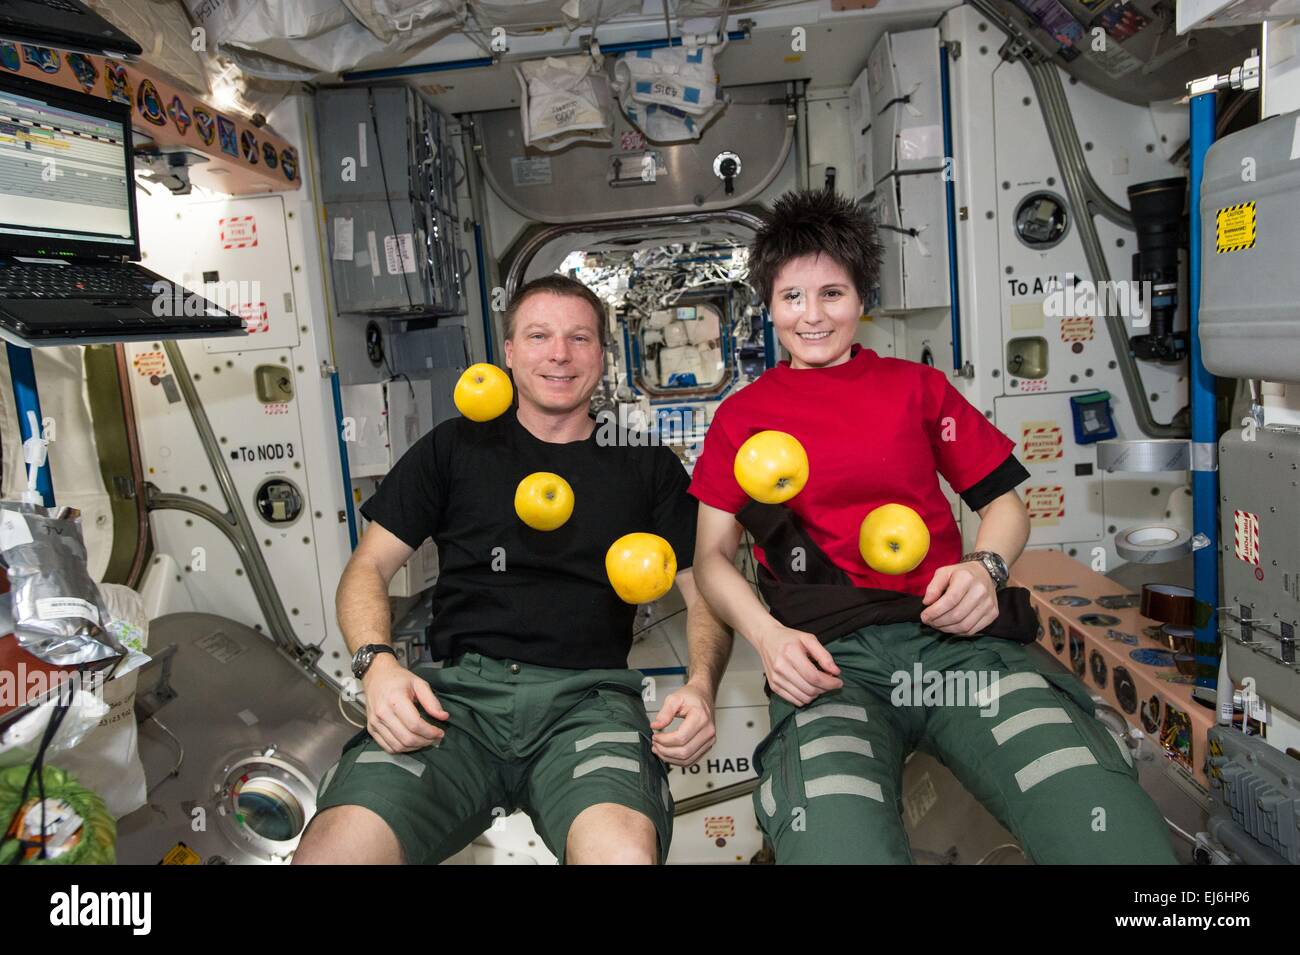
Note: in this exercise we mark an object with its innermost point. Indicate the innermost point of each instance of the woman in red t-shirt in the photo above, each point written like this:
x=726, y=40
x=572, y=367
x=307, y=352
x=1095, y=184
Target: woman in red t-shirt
x=1022, y=737
x=868, y=444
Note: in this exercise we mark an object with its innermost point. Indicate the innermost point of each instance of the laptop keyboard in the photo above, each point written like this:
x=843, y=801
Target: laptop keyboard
x=21, y=280
x=61, y=5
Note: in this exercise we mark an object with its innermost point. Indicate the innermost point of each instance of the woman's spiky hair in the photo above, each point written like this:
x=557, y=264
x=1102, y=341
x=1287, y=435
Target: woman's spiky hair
x=810, y=223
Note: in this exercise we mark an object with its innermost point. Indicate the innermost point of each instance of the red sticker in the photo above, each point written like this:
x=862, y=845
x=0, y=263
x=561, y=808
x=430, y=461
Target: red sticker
x=719, y=826
x=1245, y=536
x=255, y=316
x=1077, y=329
x=238, y=232
x=149, y=363
x=1046, y=505
x=1041, y=441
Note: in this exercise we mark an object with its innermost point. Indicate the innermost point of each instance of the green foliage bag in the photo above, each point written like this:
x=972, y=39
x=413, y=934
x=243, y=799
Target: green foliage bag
x=79, y=830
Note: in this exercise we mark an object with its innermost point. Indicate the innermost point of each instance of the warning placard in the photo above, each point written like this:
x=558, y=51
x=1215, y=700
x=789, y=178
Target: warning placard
x=1046, y=505
x=255, y=316
x=150, y=363
x=238, y=232
x=1077, y=328
x=716, y=827
x=1245, y=536
x=1041, y=441
x=1234, y=228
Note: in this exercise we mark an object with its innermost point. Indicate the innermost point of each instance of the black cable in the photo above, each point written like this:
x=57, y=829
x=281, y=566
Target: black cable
x=906, y=98
x=37, y=770
x=396, y=375
x=388, y=201
x=1230, y=113
x=40, y=792
x=748, y=541
x=637, y=633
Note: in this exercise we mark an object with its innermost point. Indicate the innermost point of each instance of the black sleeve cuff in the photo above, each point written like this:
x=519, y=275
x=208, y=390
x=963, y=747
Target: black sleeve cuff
x=1001, y=479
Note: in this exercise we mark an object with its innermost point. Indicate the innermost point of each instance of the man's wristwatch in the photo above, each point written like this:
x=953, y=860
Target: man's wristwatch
x=993, y=563
x=362, y=659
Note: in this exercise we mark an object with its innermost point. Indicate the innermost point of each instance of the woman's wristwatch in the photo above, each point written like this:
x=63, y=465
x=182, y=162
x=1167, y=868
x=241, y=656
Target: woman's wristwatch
x=993, y=563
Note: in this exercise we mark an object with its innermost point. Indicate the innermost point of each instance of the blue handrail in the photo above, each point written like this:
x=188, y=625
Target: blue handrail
x=23, y=375
x=1205, y=475
x=343, y=457
x=951, y=198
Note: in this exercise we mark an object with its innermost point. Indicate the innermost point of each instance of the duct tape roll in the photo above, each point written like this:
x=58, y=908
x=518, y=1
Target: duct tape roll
x=1154, y=454
x=1153, y=543
x=1171, y=605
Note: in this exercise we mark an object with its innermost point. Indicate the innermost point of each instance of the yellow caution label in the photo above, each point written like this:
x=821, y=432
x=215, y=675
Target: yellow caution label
x=1234, y=228
x=181, y=854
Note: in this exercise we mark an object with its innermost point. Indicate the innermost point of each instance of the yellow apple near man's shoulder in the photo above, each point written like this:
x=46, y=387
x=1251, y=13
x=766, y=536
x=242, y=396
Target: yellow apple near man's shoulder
x=544, y=501
x=771, y=467
x=893, y=539
x=483, y=392
x=641, y=567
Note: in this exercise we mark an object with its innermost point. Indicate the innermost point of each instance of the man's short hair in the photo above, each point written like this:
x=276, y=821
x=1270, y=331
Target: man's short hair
x=558, y=284
x=815, y=222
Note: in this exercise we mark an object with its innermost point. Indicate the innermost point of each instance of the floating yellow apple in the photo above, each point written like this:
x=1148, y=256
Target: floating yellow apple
x=483, y=392
x=771, y=467
x=641, y=567
x=544, y=501
x=893, y=539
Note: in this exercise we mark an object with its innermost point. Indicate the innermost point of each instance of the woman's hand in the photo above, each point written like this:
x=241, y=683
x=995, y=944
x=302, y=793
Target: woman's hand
x=961, y=599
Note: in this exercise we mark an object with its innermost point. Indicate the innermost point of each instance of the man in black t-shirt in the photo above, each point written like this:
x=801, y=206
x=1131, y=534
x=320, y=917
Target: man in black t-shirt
x=535, y=707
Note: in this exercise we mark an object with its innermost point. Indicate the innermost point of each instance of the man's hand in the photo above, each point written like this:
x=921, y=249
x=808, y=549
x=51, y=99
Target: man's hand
x=392, y=718
x=686, y=744
x=961, y=599
x=798, y=667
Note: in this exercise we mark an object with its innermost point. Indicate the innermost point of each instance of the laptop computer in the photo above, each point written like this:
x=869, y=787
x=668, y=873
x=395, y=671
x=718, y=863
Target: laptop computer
x=69, y=237
x=67, y=24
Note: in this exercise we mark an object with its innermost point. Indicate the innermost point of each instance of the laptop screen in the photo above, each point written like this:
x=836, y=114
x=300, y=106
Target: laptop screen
x=66, y=182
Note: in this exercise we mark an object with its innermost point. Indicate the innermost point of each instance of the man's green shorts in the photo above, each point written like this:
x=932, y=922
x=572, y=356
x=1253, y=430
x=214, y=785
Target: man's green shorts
x=549, y=741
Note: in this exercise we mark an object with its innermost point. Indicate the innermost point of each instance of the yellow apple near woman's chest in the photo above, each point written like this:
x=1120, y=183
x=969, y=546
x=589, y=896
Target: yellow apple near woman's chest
x=893, y=539
x=771, y=467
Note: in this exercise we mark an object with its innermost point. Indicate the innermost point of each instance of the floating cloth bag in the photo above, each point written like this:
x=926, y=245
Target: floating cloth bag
x=663, y=124
x=564, y=100
x=679, y=76
x=670, y=94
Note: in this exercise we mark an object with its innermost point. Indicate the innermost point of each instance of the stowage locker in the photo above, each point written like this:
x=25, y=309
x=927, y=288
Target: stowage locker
x=388, y=178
